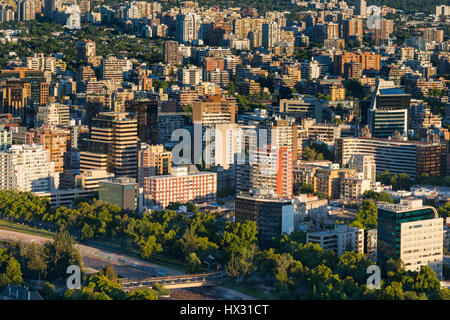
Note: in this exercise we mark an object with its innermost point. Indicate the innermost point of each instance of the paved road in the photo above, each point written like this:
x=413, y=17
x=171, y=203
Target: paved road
x=128, y=267
x=95, y=258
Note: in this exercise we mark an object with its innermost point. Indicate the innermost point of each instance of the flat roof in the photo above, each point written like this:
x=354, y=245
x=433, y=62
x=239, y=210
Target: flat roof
x=392, y=91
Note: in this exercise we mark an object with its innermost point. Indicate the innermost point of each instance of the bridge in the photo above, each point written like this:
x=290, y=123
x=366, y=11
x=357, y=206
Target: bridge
x=174, y=282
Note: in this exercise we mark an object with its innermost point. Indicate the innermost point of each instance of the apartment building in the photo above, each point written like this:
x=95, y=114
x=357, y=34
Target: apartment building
x=153, y=160
x=180, y=186
x=343, y=238
x=27, y=168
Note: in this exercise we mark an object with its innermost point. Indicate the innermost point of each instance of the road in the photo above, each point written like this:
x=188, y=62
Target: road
x=94, y=258
x=125, y=266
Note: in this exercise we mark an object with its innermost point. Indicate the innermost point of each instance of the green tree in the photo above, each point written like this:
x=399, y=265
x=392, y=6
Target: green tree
x=12, y=273
x=192, y=263
x=60, y=254
x=149, y=247
x=366, y=218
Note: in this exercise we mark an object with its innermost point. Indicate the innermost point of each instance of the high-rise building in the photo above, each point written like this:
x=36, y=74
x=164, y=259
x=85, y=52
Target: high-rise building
x=271, y=168
x=27, y=168
x=215, y=109
x=411, y=232
x=53, y=114
x=188, y=27
x=364, y=164
x=56, y=142
x=389, y=110
x=368, y=61
x=5, y=138
x=85, y=6
x=112, y=145
x=113, y=68
x=191, y=76
x=361, y=8
x=40, y=62
x=26, y=10
x=281, y=131
x=171, y=53
x=353, y=28
x=146, y=113
x=271, y=33
x=153, y=160
x=273, y=216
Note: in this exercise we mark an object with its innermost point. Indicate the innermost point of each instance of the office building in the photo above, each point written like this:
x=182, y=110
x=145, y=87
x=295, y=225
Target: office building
x=389, y=110
x=411, y=232
x=303, y=107
x=122, y=191
x=112, y=145
x=273, y=216
x=414, y=158
x=90, y=179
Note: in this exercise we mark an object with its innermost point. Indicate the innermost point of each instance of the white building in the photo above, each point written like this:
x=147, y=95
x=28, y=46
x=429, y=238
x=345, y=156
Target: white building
x=53, y=114
x=27, y=168
x=190, y=76
x=40, y=62
x=365, y=164
x=342, y=238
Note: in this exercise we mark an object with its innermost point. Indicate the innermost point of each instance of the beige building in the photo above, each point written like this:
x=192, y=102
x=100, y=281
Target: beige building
x=90, y=179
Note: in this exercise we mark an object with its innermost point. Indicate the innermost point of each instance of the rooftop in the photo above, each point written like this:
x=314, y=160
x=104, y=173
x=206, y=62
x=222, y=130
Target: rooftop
x=392, y=91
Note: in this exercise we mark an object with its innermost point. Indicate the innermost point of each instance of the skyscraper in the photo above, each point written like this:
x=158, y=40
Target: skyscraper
x=271, y=33
x=187, y=27
x=26, y=10
x=112, y=145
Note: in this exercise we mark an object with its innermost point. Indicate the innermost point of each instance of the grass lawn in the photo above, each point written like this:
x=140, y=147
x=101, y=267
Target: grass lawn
x=246, y=289
x=25, y=229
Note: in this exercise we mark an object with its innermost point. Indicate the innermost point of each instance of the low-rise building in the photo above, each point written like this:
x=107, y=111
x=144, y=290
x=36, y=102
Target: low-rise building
x=343, y=238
